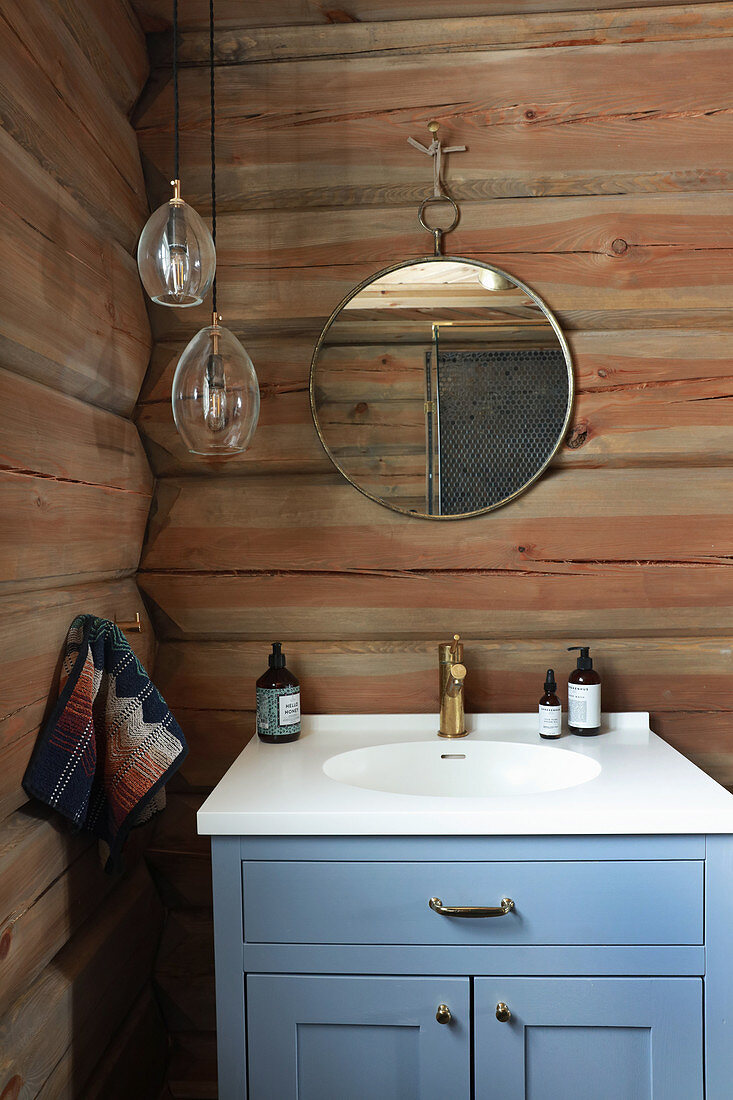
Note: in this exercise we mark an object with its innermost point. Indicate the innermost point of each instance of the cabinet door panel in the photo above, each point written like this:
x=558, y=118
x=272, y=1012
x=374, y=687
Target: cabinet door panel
x=328, y=1038
x=609, y=1038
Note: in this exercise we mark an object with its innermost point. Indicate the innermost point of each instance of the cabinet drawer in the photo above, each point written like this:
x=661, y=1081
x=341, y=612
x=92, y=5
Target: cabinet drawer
x=609, y=902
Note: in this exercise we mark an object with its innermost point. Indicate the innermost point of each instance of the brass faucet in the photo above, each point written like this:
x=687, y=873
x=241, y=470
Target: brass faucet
x=452, y=672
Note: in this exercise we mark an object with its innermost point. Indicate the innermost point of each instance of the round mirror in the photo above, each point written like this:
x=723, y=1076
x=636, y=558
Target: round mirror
x=441, y=387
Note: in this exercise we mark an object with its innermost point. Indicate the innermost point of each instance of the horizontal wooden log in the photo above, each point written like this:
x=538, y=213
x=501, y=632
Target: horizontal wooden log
x=184, y=971
x=319, y=523
x=305, y=152
x=526, y=30
x=215, y=739
x=632, y=252
x=74, y=316
x=31, y=938
x=33, y=626
x=655, y=674
x=110, y=37
x=134, y=1063
x=82, y=998
x=36, y=847
x=156, y=14
x=47, y=126
x=64, y=529
x=61, y=437
x=585, y=599
x=313, y=89
x=44, y=36
x=650, y=426
x=602, y=361
x=182, y=878
x=192, y=1073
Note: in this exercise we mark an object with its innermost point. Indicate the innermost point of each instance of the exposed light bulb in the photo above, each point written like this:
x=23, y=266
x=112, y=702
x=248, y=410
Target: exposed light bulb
x=215, y=393
x=494, y=280
x=176, y=255
x=216, y=397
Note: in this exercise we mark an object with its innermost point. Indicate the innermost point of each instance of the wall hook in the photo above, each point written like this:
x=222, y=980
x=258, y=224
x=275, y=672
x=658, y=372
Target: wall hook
x=133, y=626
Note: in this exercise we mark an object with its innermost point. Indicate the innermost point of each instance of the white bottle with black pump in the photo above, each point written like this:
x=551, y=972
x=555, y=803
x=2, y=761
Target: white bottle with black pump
x=584, y=695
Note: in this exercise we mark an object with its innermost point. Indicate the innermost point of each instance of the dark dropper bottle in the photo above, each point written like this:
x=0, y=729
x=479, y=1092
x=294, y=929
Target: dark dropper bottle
x=550, y=709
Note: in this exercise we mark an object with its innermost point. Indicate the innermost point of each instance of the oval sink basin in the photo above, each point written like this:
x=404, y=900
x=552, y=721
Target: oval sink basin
x=479, y=769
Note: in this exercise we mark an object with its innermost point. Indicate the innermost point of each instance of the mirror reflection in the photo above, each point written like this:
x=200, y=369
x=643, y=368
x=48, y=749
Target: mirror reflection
x=441, y=387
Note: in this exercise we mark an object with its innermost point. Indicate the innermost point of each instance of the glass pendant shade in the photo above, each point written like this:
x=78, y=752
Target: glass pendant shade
x=176, y=255
x=216, y=397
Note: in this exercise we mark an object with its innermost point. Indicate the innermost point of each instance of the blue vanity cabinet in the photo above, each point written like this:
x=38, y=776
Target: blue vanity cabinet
x=314, y=1037
x=601, y=1038
x=615, y=964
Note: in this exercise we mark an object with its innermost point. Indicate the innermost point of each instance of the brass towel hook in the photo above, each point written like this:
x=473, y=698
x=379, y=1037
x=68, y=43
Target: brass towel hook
x=133, y=626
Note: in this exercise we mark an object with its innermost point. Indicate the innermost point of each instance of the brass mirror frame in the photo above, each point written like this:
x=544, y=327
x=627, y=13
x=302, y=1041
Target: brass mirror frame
x=472, y=263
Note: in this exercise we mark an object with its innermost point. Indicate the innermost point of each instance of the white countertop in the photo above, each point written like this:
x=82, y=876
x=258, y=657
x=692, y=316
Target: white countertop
x=644, y=785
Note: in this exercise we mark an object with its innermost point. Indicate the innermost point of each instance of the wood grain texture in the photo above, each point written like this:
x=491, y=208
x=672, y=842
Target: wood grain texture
x=528, y=30
x=155, y=14
x=637, y=673
x=60, y=136
x=66, y=528
x=73, y=314
x=322, y=133
x=192, y=1074
x=135, y=1062
x=184, y=971
x=76, y=946
x=53, y=1035
x=33, y=936
x=110, y=36
x=103, y=449
x=320, y=523
x=622, y=600
x=597, y=170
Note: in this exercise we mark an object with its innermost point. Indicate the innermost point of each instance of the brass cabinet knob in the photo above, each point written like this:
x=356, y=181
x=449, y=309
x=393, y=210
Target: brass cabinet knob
x=443, y=1015
x=503, y=1013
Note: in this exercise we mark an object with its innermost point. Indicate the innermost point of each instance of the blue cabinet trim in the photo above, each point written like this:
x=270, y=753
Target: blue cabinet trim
x=436, y=959
x=461, y=848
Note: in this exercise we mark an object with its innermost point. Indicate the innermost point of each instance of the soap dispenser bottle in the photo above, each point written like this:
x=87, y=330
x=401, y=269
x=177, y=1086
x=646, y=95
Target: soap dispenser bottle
x=584, y=695
x=278, y=701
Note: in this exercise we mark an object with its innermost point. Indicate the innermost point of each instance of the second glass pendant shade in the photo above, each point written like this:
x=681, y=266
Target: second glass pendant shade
x=216, y=397
x=176, y=255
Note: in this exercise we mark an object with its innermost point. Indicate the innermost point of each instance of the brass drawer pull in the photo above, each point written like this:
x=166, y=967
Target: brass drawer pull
x=471, y=910
x=443, y=1015
x=503, y=1013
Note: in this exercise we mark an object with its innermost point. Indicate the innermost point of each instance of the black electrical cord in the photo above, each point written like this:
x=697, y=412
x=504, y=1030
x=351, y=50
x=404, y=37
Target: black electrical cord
x=176, y=109
x=213, y=142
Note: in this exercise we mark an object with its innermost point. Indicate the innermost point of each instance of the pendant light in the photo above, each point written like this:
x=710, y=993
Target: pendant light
x=176, y=257
x=216, y=397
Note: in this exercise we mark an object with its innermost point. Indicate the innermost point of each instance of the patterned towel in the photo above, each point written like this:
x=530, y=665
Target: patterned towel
x=111, y=743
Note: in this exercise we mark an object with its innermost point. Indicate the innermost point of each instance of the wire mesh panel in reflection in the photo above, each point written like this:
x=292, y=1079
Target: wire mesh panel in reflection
x=500, y=416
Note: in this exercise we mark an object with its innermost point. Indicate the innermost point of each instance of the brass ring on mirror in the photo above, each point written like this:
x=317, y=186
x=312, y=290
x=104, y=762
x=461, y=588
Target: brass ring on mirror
x=432, y=200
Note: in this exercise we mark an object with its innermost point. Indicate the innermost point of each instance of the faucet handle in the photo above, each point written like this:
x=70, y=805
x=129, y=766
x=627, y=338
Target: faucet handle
x=458, y=671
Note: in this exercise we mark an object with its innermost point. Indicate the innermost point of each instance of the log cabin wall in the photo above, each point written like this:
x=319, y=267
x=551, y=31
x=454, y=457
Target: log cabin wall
x=77, y=1012
x=599, y=171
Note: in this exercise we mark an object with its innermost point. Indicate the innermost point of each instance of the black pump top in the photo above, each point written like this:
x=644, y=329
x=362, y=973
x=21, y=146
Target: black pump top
x=584, y=661
x=276, y=658
x=550, y=684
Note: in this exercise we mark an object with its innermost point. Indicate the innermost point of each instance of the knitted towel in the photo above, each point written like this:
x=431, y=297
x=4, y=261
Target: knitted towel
x=111, y=742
